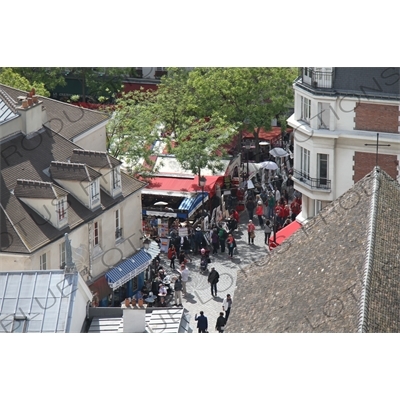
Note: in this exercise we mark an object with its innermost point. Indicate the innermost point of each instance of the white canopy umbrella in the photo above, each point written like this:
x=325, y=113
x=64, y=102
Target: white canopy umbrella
x=278, y=152
x=268, y=165
x=161, y=203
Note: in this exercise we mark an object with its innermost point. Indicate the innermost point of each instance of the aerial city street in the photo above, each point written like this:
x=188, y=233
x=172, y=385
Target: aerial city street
x=199, y=200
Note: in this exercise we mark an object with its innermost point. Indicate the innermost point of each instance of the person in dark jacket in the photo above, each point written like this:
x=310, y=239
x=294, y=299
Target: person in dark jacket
x=215, y=241
x=213, y=278
x=250, y=205
x=202, y=322
x=220, y=325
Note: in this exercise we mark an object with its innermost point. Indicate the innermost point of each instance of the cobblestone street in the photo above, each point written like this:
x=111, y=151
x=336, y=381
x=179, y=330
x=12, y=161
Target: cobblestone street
x=199, y=294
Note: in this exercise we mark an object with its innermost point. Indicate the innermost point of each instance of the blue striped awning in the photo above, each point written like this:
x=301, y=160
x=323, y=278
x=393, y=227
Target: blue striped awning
x=191, y=204
x=128, y=269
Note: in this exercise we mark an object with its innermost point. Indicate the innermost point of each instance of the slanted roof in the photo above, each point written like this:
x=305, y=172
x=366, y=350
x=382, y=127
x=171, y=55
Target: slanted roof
x=37, y=301
x=24, y=231
x=66, y=119
x=96, y=159
x=338, y=273
x=73, y=172
x=7, y=107
x=38, y=189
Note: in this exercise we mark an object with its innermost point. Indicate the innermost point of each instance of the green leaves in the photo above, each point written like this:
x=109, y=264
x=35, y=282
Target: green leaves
x=11, y=78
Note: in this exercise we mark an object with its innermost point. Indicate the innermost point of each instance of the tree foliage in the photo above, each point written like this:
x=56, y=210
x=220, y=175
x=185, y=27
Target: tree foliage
x=11, y=78
x=249, y=97
x=132, y=130
x=49, y=76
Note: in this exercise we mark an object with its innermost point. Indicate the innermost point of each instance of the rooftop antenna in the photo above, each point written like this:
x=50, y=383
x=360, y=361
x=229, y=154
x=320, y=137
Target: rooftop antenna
x=377, y=148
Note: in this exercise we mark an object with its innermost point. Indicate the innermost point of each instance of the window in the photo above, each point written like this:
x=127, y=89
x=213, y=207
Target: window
x=305, y=162
x=43, y=262
x=322, y=160
x=305, y=109
x=116, y=178
x=62, y=255
x=94, y=187
x=308, y=71
x=96, y=234
x=19, y=324
x=61, y=210
x=118, y=229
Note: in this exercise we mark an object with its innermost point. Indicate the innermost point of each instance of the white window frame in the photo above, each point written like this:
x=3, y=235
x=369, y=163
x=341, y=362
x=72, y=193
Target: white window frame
x=305, y=109
x=319, y=168
x=305, y=162
x=94, y=191
x=116, y=177
x=118, y=231
x=43, y=262
x=96, y=237
x=61, y=210
x=63, y=255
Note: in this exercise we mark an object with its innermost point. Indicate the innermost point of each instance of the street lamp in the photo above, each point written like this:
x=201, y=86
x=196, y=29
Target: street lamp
x=247, y=146
x=202, y=183
x=274, y=223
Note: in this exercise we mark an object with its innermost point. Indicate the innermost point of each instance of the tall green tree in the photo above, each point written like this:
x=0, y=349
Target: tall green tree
x=49, y=76
x=249, y=97
x=11, y=78
x=196, y=138
x=132, y=131
x=98, y=80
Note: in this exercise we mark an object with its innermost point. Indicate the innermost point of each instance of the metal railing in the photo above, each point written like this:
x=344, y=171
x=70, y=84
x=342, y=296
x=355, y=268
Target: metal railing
x=314, y=183
x=317, y=79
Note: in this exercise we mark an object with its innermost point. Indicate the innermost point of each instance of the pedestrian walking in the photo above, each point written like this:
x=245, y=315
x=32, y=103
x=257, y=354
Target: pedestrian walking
x=231, y=242
x=215, y=241
x=260, y=213
x=178, y=291
x=251, y=231
x=172, y=256
x=202, y=322
x=250, y=206
x=222, y=238
x=220, y=325
x=226, y=306
x=267, y=231
x=213, y=278
x=198, y=239
x=184, y=278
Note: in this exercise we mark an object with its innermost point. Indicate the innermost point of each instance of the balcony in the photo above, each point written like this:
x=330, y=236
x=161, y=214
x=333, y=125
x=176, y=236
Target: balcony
x=313, y=183
x=316, y=80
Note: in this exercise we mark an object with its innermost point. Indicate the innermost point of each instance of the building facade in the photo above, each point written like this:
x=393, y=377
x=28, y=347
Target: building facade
x=51, y=186
x=338, y=113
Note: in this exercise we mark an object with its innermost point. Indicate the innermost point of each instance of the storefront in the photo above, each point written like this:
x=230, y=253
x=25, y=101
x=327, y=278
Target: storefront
x=129, y=276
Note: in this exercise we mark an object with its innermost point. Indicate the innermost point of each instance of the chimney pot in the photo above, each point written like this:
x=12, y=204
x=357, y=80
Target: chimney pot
x=25, y=103
x=35, y=99
x=30, y=101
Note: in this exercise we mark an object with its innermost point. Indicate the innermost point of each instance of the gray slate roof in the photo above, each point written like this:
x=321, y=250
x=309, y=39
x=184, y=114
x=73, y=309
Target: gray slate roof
x=38, y=189
x=68, y=120
x=24, y=231
x=96, y=159
x=73, y=172
x=338, y=273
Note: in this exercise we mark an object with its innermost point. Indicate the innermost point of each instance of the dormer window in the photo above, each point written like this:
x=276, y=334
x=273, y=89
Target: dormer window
x=116, y=178
x=61, y=210
x=94, y=187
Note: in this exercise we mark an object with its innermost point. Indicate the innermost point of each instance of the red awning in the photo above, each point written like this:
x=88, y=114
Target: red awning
x=184, y=185
x=284, y=234
x=271, y=135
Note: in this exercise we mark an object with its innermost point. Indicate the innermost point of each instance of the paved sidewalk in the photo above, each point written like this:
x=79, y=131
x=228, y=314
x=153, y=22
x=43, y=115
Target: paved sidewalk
x=199, y=294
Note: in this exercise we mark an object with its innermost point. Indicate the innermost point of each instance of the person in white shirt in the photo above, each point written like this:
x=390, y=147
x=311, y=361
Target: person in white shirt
x=226, y=306
x=184, y=277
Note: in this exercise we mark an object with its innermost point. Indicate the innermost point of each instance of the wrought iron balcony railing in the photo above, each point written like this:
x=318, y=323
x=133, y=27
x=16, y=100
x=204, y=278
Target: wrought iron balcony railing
x=313, y=183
